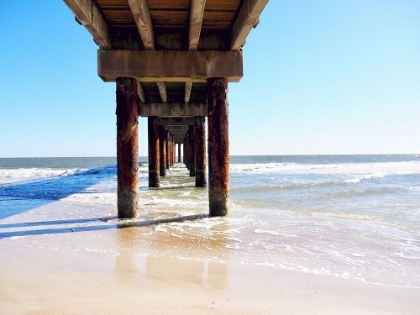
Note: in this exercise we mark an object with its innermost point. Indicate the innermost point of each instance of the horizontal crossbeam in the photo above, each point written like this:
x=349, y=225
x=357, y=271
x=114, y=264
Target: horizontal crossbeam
x=173, y=109
x=166, y=121
x=170, y=65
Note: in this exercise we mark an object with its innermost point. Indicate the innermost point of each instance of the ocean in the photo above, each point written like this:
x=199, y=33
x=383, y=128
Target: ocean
x=355, y=217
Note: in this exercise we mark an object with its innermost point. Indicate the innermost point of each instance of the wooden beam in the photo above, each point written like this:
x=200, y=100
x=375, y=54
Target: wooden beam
x=170, y=65
x=178, y=136
x=176, y=128
x=173, y=109
x=91, y=18
x=188, y=87
x=248, y=17
x=196, y=21
x=162, y=91
x=166, y=121
x=140, y=92
x=141, y=14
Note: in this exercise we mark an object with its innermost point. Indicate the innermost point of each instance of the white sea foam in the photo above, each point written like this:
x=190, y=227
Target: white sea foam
x=344, y=220
x=24, y=174
x=366, y=170
x=260, y=231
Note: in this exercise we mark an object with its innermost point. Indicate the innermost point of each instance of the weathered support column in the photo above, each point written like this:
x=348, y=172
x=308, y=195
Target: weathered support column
x=185, y=157
x=200, y=151
x=167, y=150
x=154, y=163
x=162, y=150
x=173, y=150
x=128, y=104
x=218, y=146
x=187, y=150
x=179, y=152
x=191, y=150
x=184, y=151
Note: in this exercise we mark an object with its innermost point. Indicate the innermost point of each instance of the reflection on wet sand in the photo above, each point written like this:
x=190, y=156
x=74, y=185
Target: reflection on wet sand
x=126, y=257
x=192, y=260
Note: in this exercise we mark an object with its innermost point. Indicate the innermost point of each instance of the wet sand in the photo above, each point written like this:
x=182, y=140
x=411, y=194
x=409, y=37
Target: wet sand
x=109, y=271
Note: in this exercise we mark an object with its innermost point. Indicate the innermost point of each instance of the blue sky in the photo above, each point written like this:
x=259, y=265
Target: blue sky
x=321, y=77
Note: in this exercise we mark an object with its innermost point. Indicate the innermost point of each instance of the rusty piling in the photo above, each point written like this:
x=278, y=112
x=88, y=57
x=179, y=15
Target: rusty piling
x=186, y=150
x=200, y=151
x=191, y=150
x=218, y=146
x=162, y=150
x=173, y=150
x=128, y=104
x=154, y=163
x=167, y=150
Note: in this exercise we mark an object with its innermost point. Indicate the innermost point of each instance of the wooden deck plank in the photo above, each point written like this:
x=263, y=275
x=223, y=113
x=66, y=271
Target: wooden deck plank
x=141, y=14
x=91, y=18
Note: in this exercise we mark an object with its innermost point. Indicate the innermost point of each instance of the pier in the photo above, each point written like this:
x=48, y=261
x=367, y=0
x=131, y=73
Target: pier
x=172, y=62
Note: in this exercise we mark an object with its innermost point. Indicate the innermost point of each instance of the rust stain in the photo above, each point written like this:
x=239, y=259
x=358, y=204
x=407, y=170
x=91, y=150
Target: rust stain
x=127, y=112
x=218, y=145
x=162, y=150
x=200, y=152
x=154, y=157
x=191, y=150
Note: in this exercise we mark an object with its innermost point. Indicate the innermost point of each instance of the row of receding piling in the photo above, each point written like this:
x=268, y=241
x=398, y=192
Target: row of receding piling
x=161, y=151
x=162, y=148
x=195, y=151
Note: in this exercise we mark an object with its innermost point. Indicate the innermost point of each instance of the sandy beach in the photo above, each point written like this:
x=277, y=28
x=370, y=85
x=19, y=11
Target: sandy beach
x=49, y=266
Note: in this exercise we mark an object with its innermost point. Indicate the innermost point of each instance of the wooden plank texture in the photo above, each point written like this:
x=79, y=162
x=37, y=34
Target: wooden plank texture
x=170, y=65
x=246, y=19
x=196, y=21
x=141, y=15
x=162, y=91
x=91, y=18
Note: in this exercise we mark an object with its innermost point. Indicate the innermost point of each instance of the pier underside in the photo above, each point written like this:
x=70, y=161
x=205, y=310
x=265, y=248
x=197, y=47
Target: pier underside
x=172, y=62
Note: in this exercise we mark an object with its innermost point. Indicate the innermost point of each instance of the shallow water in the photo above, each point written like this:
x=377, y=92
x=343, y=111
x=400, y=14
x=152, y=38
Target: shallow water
x=353, y=217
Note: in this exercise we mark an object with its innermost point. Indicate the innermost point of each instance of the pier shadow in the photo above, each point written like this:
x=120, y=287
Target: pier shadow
x=53, y=222
x=104, y=225
x=16, y=198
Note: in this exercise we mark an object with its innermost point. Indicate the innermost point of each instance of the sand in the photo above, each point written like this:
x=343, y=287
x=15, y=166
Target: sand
x=54, y=273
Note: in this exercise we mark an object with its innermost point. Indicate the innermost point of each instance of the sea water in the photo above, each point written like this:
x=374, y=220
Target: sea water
x=354, y=217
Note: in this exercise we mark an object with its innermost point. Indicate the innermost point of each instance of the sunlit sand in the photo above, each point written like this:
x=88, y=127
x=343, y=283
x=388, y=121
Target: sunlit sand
x=77, y=266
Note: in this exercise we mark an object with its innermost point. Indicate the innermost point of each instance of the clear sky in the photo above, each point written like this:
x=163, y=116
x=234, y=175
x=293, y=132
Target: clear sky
x=321, y=77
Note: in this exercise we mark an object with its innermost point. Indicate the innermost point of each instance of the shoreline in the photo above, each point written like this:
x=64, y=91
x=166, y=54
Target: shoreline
x=58, y=273
x=45, y=281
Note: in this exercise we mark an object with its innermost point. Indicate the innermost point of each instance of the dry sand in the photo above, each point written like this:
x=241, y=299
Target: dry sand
x=39, y=275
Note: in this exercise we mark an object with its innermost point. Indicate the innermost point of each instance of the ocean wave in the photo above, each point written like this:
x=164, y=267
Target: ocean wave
x=358, y=170
x=10, y=175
